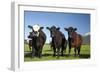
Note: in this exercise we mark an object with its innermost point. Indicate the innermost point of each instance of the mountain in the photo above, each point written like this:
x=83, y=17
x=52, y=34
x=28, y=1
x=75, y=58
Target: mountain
x=86, y=38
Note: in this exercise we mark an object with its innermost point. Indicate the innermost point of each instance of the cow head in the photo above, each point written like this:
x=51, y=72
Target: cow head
x=53, y=30
x=70, y=30
x=35, y=30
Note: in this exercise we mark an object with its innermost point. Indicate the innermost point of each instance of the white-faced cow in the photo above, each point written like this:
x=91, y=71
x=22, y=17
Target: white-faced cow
x=38, y=40
x=59, y=41
x=74, y=40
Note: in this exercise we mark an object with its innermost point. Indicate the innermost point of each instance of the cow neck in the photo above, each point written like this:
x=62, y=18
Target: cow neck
x=58, y=36
x=35, y=40
x=72, y=39
x=74, y=34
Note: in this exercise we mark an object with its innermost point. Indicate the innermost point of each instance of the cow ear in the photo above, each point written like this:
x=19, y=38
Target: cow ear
x=30, y=27
x=41, y=28
x=75, y=29
x=58, y=28
x=66, y=29
x=48, y=28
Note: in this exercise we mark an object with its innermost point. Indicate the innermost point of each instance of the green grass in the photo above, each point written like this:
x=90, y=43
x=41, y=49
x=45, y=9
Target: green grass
x=47, y=54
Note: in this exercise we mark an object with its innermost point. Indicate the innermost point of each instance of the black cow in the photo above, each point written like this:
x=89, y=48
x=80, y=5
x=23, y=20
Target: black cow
x=74, y=39
x=38, y=40
x=58, y=40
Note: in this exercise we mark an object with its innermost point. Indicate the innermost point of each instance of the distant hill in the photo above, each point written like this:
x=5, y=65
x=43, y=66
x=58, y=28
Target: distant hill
x=86, y=38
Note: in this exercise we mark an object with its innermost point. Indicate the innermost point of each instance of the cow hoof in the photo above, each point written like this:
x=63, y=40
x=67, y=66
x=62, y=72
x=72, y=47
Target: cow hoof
x=78, y=55
x=75, y=55
x=40, y=57
x=62, y=55
x=54, y=55
x=68, y=54
x=32, y=57
x=57, y=57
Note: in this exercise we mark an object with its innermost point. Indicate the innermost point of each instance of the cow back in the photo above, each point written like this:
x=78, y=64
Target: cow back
x=76, y=40
x=59, y=39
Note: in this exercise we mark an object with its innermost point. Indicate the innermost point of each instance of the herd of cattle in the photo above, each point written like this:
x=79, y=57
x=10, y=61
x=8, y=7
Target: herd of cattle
x=58, y=43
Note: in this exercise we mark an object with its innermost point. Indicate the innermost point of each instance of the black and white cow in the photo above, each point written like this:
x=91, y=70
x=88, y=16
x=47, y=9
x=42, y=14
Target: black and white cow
x=38, y=40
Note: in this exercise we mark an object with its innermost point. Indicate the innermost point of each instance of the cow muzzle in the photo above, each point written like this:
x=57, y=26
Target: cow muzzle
x=36, y=34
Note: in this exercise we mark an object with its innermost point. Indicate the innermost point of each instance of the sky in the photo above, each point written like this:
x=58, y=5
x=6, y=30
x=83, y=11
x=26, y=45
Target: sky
x=47, y=19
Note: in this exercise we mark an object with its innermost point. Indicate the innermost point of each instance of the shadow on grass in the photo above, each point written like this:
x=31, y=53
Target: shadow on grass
x=84, y=56
x=49, y=50
x=47, y=54
x=28, y=54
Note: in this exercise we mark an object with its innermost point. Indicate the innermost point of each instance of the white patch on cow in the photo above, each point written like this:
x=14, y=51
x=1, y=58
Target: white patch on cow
x=37, y=33
x=36, y=28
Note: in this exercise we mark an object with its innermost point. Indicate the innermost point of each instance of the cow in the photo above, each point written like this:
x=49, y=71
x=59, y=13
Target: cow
x=38, y=40
x=30, y=44
x=30, y=41
x=74, y=40
x=58, y=40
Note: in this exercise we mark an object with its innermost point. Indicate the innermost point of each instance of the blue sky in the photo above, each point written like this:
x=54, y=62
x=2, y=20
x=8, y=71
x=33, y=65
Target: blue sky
x=62, y=20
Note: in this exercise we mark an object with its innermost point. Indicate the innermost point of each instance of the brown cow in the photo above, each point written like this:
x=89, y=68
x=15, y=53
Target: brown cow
x=74, y=40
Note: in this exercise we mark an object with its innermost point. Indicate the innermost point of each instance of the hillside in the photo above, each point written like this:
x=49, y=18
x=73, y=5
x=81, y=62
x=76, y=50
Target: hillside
x=86, y=39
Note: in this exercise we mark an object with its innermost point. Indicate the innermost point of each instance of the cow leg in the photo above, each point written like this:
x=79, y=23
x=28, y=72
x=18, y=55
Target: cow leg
x=69, y=50
x=40, y=53
x=58, y=52
x=75, y=51
x=62, y=51
x=33, y=52
x=78, y=51
x=54, y=49
x=69, y=44
x=36, y=52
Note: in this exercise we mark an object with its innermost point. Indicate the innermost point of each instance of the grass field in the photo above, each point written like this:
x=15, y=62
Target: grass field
x=47, y=54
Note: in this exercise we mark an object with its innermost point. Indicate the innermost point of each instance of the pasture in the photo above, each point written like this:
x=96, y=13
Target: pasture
x=47, y=54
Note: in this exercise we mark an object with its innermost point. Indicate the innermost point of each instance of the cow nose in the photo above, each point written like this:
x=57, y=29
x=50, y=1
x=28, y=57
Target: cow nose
x=35, y=32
